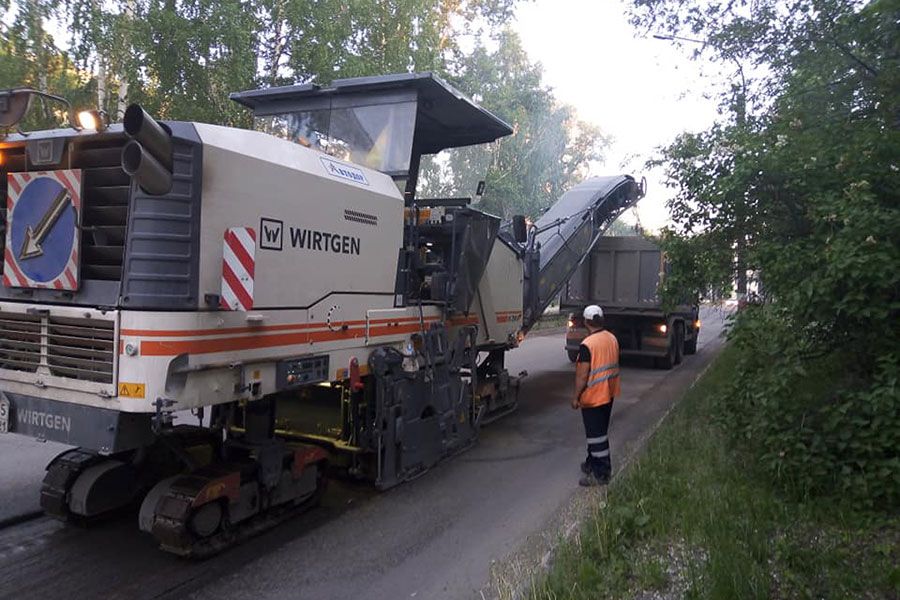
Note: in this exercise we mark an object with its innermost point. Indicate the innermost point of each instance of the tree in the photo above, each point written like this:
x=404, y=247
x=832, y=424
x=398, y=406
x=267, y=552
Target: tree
x=808, y=181
x=330, y=39
x=181, y=58
x=30, y=57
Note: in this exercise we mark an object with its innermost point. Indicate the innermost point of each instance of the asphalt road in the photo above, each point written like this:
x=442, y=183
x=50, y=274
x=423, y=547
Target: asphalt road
x=461, y=530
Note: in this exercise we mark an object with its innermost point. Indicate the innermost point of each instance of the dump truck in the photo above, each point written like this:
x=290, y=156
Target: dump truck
x=287, y=286
x=622, y=275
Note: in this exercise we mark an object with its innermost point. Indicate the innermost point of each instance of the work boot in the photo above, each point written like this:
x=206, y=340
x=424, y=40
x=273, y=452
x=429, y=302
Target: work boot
x=585, y=468
x=591, y=480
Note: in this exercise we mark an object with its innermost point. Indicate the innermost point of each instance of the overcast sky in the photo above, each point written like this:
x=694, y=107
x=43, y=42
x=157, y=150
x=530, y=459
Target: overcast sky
x=640, y=91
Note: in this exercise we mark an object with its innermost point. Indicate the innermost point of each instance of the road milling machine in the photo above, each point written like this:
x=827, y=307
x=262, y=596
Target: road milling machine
x=212, y=316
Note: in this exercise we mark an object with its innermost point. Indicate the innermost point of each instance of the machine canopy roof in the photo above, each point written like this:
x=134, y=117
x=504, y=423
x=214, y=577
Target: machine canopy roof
x=445, y=118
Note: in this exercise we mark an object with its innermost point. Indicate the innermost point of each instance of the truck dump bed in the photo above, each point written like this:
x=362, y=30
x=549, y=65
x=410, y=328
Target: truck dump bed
x=621, y=274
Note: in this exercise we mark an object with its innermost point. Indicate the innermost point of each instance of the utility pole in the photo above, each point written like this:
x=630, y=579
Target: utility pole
x=740, y=249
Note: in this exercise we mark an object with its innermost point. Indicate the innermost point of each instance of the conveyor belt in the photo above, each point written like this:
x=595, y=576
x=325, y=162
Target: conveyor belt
x=565, y=234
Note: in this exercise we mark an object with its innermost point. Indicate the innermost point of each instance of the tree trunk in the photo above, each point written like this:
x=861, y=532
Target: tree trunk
x=122, y=100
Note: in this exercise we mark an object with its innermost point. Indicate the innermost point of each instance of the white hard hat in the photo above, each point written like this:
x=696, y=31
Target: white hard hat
x=592, y=311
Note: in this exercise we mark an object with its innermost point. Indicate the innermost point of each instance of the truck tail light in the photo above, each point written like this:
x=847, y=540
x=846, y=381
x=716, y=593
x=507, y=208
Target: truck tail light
x=662, y=328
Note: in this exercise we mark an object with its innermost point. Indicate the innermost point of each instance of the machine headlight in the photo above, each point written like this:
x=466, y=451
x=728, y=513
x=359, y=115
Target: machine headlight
x=93, y=119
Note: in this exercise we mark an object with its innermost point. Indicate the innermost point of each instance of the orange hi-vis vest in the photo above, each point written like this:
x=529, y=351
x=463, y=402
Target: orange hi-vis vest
x=603, y=379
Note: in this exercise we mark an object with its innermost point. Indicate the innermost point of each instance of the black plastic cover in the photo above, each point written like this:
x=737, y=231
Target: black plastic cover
x=475, y=235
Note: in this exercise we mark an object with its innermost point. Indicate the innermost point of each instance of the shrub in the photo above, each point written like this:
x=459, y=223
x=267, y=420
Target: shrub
x=818, y=425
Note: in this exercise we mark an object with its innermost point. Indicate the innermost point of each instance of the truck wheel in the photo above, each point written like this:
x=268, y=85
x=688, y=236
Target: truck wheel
x=690, y=347
x=667, y=361
x=573, y=355
x=679, y=344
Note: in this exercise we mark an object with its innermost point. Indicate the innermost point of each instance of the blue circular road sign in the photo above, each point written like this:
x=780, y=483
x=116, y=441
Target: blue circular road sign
x=42, y=233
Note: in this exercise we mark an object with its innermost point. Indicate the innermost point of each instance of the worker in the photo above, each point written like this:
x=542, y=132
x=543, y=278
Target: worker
x=596, y=386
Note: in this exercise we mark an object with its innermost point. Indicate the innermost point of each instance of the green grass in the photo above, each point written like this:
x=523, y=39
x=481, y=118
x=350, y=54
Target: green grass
x=693, y=518
x=551, y=321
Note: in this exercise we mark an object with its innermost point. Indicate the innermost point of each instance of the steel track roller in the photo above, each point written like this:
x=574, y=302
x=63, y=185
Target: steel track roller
x=208, y=510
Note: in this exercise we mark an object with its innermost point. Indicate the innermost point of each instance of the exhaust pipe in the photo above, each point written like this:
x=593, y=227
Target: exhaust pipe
x=150, y=174
x=148, y=156
x=144, y=128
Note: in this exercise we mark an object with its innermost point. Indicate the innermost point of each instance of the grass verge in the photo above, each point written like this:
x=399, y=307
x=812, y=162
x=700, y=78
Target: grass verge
x=694, y=518
x=551, y=321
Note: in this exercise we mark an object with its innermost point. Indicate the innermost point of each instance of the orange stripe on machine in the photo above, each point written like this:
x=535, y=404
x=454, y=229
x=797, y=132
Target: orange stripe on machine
x=257, y=329
x=233, y=344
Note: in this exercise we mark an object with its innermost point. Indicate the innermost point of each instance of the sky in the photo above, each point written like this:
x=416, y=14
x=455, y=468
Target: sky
x=639, y=90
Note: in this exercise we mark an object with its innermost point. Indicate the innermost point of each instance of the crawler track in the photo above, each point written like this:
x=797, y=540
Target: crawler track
x=205, y=548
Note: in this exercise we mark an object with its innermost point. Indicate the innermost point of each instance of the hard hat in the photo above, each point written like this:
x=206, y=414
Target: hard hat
x=592, y=311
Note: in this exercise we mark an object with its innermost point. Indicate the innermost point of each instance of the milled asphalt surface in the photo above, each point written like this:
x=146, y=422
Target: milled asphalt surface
x=22, y=462
x=471, y=523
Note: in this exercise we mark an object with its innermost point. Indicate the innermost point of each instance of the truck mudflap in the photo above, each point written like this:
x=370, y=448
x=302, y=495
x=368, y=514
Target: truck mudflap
x=100, y=429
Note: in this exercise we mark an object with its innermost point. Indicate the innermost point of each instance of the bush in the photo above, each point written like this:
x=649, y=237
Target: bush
x=819, y=425
x=799, y=186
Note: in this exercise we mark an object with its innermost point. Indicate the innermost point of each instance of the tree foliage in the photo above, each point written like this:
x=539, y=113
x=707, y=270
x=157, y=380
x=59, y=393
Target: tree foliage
x=29, y=57
x=805, y=182
x=181, y=58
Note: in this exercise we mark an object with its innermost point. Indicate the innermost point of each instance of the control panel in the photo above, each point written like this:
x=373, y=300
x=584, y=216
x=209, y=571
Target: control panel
x=295, y=372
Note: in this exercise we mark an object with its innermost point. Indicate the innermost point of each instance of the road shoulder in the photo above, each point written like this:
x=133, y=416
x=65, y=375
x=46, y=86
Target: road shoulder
x=513, y=575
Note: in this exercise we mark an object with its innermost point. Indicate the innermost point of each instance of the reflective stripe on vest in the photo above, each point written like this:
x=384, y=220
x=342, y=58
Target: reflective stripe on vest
x=603, y=378
x=594, y=378
x=594, y=382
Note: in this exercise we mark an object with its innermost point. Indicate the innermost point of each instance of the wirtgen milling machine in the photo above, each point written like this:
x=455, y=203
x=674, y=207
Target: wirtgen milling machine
x=289, y=282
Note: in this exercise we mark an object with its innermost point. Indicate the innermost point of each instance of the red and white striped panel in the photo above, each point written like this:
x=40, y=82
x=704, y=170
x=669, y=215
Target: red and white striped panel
x=13, y=275
x=238, y=265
